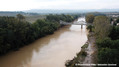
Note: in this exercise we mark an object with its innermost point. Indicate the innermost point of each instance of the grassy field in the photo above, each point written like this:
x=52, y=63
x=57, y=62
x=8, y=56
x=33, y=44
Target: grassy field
x=32, y=19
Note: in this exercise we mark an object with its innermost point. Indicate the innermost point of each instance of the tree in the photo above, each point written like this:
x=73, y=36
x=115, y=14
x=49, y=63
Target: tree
x=57, y=18
x=105, y=42
x=117, y=20
x=114, y=34
x=102, y=26
x=90, y=27
x=20, y=17
x=89, y=18
x=108, y=56
x=23, y=33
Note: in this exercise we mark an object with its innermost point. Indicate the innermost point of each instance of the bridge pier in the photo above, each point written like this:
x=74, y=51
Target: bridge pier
x=81, y=26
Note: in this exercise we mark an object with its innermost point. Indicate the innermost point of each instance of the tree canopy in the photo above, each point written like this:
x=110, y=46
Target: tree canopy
x=15, y=33
x=102, y=26
x=20, y=17
x=89, y=18
x=66, y=18
x=107, y=40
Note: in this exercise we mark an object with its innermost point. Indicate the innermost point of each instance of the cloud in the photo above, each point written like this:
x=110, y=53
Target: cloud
x=14, y=5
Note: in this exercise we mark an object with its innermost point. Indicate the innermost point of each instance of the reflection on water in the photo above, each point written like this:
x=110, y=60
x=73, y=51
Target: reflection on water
x=50, y=51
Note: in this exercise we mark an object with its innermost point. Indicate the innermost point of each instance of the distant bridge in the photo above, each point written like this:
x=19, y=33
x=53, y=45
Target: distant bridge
x=75, y=23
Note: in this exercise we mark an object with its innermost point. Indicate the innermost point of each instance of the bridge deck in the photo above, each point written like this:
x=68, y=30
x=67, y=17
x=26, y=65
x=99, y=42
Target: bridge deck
x=75, y=23
x=65, y=23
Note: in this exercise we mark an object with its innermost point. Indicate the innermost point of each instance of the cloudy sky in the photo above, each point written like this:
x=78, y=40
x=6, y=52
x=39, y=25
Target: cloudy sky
x=19, y=5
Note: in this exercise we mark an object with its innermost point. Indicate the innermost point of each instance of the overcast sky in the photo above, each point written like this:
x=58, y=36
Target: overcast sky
x=19, y=5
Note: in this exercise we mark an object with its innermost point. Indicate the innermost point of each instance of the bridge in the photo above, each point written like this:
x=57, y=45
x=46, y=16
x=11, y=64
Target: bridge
x=75, y=23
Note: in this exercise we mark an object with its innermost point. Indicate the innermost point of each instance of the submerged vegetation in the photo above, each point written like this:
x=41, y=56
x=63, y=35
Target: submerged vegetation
x=16, y=32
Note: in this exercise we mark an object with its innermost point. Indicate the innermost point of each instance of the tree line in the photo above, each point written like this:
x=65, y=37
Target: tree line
x=107, y=39
x=16, y=32
x=67, y=18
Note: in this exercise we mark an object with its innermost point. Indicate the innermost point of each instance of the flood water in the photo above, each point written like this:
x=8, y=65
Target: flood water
x=50, y=51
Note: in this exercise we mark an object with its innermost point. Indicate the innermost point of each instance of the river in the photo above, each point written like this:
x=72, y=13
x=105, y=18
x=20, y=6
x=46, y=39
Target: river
x=49, y=51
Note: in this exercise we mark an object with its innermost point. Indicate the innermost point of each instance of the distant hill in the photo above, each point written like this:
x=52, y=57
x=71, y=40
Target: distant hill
x=13, y=13
x=47, y=11
x=54, y=11
x=35, y=12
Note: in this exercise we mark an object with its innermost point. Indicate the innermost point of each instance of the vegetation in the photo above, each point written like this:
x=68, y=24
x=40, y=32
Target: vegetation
x=16, y=33
x=79, y=57
x=67, y=18
x=33, y=18
x=108, y=51
x=114, y=34
x=20, y=17
x=102, y=26
x=89, y=18
x=90, y=27
x=106, y=40
x=85, y=46
x=107, y=55
x=117, y=20
x=83, y=53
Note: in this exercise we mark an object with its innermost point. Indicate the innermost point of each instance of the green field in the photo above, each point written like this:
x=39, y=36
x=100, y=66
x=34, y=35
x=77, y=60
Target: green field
x=32, y=19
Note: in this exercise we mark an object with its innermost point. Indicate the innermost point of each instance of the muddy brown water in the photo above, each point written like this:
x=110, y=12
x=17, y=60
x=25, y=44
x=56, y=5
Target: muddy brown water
x=50, y=51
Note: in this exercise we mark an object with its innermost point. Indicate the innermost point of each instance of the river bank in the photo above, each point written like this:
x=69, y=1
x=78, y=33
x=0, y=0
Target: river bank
x=91, y=51
x=49, y=51
x=16, y=33
x=87, y=55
